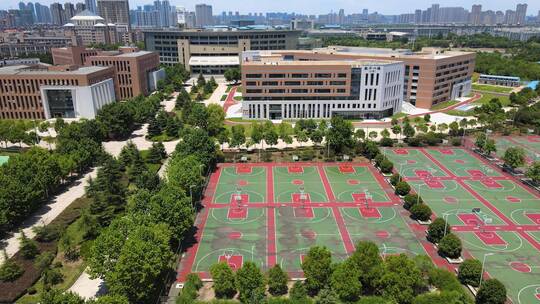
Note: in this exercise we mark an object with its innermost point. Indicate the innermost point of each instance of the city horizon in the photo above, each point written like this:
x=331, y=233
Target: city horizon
x=391, y=7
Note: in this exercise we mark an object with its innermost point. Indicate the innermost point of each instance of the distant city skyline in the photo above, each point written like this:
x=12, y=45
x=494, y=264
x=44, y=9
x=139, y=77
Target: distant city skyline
x=387, y=7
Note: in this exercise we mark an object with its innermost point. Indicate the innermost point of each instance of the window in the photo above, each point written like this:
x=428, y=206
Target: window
x=341, y=75
x=323, y=75
x=276, y=75
x=292, y=83
x=299, y=75
x=276, y=91
x=253, y=91
x=317, y=83
x=337, y=82
x=297, y=91
x=322, y=90
x=269, y=83
x=253, y=75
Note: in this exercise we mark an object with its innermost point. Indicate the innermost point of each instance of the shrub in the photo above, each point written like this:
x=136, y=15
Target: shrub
x=224, y=281
x=386, y=166
x=378, y=159
x=450, y=246
x=28, y=247
x=455, y=141
x=386, y=142
x=414, y=142
x=47, y=233
x=402, y=188
x=31, y=290
x=298, y=292
x=421, y=212
x=436, y=230
x=10, y=271
x=394, y=179
x=470, y=271
x=277, y=281
x=44, y=260
x=411, y=199
x=52, y=277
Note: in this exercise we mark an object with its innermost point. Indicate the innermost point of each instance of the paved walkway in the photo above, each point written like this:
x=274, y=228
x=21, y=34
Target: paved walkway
x=47, y=213
x=87, y=287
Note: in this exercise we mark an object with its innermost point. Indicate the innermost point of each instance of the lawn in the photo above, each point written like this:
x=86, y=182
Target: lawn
x=444, y=105
x=491, y=88
x=399, y=115
x=223, y=97
x=486, y=97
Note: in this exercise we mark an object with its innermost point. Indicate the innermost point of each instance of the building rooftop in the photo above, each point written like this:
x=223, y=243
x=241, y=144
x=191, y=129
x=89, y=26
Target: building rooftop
x=134, y=54
x=425, y=53
x=44, y=70
x=86, y=15
x=213, y=60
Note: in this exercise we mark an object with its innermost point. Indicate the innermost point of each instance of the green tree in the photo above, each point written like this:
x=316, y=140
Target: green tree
x=201, y=81
x=238, y=137
x=10, y=270
x=326, y=296
x=480, y=141
x=317, y=267
x=298, y=292
x=492, y=291
x=270, y=135
x=436, y=230
x=197, y=142
x=534, y=172
x=224, y=280
x=401, y=279
x=402, y=188
x=345, y=281
x=514, y=157
x=277, y=281
x=367, y=258
x=408, y=130
x=57, y=296
x=421, y=212
x=340, y=134
x=490, y=147
x=410, y=200
x=450, y=246
x=186, y=173
x=109, y=299
x=285, y=131
x=118, y=119
x=233, y=74
x=470, y=271
x=156, y=153
x=250, y=282
x=216, y=118
x=385, y=133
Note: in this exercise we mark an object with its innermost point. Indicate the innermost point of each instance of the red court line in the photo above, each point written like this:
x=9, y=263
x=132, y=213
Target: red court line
x=312, y=204
x=345, y=237
x=271, y=221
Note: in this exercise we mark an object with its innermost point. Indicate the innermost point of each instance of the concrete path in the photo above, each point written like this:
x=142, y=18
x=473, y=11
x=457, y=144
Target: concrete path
x=87, y=287
x=47, y=213
x=215, y=98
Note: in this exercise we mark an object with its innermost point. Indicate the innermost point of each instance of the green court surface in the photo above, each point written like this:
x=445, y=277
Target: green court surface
x=408, y=161
x=451, y=201
x=514, y=262
x=253, y=184
x=390, y=232
x=3, y=159
x=531, y=145
x=460, y=162
x=362, y=180
x=287, y=183
x=295, y=235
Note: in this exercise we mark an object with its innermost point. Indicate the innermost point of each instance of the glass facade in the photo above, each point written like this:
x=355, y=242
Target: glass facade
x=61, y=103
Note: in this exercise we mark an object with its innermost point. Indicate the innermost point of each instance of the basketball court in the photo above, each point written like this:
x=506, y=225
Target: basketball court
x=494, y=215
x=529, y=143
x=272, y=213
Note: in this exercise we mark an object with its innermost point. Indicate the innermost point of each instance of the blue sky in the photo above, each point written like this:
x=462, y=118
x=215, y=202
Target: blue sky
x=323, y=6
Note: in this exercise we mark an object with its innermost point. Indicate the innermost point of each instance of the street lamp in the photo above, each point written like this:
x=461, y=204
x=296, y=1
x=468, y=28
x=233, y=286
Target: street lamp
x=483, y=264
x=445, y=218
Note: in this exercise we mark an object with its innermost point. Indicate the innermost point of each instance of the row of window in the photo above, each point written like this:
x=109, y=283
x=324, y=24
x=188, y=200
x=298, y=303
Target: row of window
x=297, y=83
x=297, y=75
x=22, y=115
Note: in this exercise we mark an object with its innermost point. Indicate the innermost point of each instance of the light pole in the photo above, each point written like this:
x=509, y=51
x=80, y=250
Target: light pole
x=483, y=264
x=445, y=218
x=191, y=194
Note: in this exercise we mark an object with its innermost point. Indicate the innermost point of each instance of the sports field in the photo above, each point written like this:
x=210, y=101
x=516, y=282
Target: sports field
x=529, y=143
x=273, y=213
x=494, y=215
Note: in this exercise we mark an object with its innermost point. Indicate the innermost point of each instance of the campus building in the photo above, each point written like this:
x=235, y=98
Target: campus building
x=507, y=81
x=212, y=51
x=136, y=72
x=431, y=76
x=42, y=92
x=91, y=29
x=282, y=87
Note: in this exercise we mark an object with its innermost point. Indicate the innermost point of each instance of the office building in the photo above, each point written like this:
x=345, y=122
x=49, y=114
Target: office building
x=507, y=81
x=115, y=12
x=302, y=24
x=203, y=15
x=42, y=92
x=431, y=76
x=278, y=86
x=35, y=45
x=213, y=51
x=91, y=5
x=136, y=72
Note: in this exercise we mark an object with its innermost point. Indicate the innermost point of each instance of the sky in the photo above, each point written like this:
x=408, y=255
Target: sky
x=387, y=7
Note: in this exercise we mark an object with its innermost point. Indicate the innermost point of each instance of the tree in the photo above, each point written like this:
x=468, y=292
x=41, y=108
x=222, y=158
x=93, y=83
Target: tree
x=480, y=141
x=386, y=166
x=156, y=153
x=421, y=212
x=224, y=280
x=238, y=137
x=360, y=134
x=490, y=147
x=450, y=246
x=257, y=134
x=201, y=81
x=385, y=133
x=270, y=135
x=534, y=172
x=109, y=299
x=186, y=173
x=117, y=118
x=326, y=296
x=410, y=200
x=143, y=259
x=401, y=279
x=28, y=247
x=367, y=258
x=396, y=129
x=345, y=281
x=277, y=281
x=427, y=117
x=470, y=272
x=198, y=116
x=317, y=267
x=298, y=292
x=232, y=74
x=437, y=230
x=402, y=188
x=285, y=131
x=340, y=134
x=492, y=291
x=514, y=157
x=197, y=142
x=408, y=130
x=250, y=282
x=216, y=118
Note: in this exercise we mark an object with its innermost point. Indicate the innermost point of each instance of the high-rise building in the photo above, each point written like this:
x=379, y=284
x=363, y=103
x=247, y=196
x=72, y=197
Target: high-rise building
x=476, y=14
x=114, y=11
x=538, y=17
x=69, y=11
x=57, y=14
x=434, y=13
x=79, y=7
x=91, y=5
x=165, y=13
x=203, y=15
x=43, y=13
x=510, y=17
x=521, y=13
